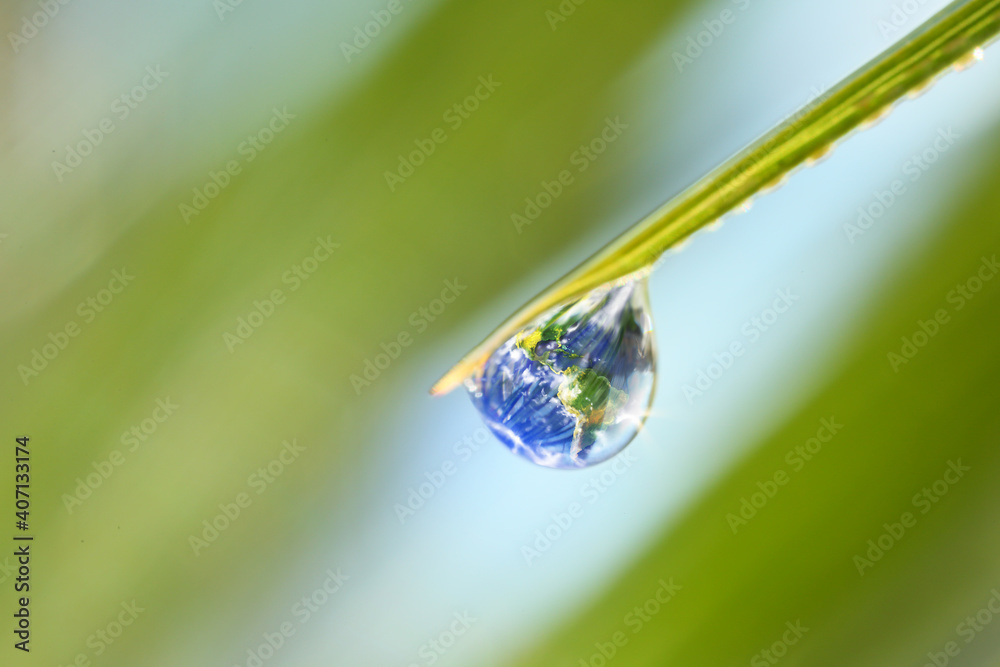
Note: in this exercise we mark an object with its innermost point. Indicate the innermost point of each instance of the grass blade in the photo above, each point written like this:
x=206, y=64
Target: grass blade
x=950, y=38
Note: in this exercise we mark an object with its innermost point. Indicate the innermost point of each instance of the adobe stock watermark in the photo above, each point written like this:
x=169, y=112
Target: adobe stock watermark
x=365, y=33
x=248, y=150
x=302, y=611
x=699, y=42
x=454, y=116
x=796, y=458
x=752, y=330
x=434, y=649
x=924, y=501
x=223, y=7
x=562, y=522
x=102, y=639
x=891, y=26
x=913, y=169
x=419, y=320
x=958, y=297
x=7, y=570
x=258, y=482
x=779, y=648
x=580, y=159
x=967, y=630
x=433, y=480
x=635, y=620
x=32, y=24
x=120, y=109
x=88, y=310
x=562, y=12
x=264, y=309
x=131, y=440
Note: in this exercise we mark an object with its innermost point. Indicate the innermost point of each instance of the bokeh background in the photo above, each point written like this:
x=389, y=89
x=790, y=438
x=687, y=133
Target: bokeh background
x=322, y=550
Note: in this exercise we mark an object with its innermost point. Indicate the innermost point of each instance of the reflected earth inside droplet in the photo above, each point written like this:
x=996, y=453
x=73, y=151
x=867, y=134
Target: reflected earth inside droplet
x=573, y=389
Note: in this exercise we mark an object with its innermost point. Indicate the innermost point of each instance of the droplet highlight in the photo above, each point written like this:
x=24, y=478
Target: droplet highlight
x=574, y=388
x=968, y=60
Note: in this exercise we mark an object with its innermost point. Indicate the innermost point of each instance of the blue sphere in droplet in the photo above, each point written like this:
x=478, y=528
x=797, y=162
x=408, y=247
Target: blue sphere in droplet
x=574, y=388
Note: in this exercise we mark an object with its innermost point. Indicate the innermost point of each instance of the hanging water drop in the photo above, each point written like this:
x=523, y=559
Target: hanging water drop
x=574, y=388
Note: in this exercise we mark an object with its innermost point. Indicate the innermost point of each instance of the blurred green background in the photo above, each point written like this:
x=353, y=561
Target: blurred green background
x=361, y=522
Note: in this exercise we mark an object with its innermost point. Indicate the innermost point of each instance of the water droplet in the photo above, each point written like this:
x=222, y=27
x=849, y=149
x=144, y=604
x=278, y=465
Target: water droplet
x=774, y=184
x=922, y=88
x=876, y=117
x=574, y=388
x=819, y=155
x=969, y=59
